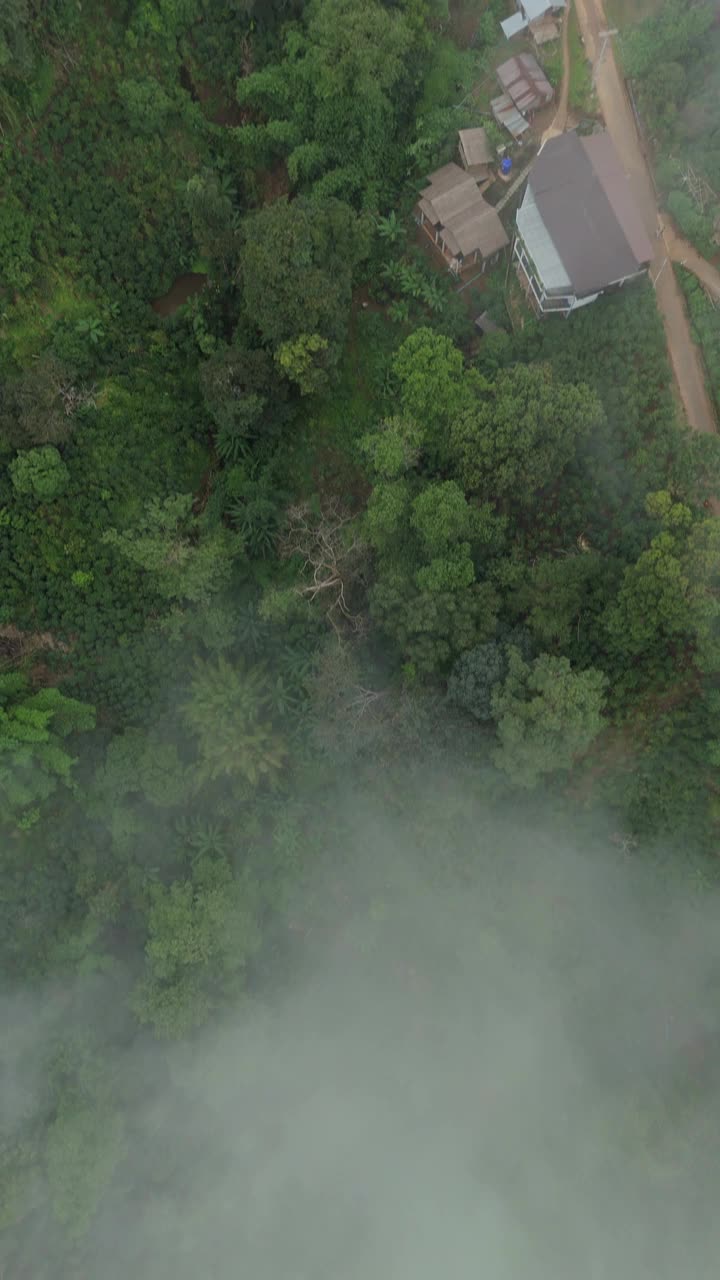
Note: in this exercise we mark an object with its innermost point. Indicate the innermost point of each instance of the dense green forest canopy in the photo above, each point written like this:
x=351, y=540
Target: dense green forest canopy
x=293, y=547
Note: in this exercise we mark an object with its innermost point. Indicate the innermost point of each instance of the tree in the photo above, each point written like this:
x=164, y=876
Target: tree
x=15, y=45
x=297, y=265
x=667, y=610
x=84, y=1145
x=651, y=610
x=138, y=760
x=395, y=447
x=84, y=1139
x=303, y=361
x=32, y=758
x=39, y=473
x=229, y=712
x=331, y=555
x=441, y=515
x=546, y=714
x=348, y=712
x=214, y=219
x=475, y=676
x=187, y=558
x=386, y=522
x=562, y=594
x=338, y=98
x=37, y=407
x=449, y=572
x=244, y=397
x=433, y=620
x=521, y=433
x=201, y=933
x=146, y=103
x=433, y=389
x=666, y=36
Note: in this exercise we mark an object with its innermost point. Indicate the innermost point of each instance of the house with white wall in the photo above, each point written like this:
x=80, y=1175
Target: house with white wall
x=579, y=232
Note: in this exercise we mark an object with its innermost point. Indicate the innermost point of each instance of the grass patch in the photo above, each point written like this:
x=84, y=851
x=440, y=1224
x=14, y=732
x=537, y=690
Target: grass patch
x=322, y=454
x=24, y=325
x=451, y=74
x=626, y=13
x=705, y=322
x=551, y=59
x=137, y=423
x=581, y=95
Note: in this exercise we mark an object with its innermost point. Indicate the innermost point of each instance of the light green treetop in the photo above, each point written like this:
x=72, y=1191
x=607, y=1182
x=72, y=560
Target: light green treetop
x=32, y=758
x=186, y=557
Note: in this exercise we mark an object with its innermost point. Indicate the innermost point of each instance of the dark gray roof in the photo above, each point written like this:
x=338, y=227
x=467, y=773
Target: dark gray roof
x=486, y=324
x=583, y=198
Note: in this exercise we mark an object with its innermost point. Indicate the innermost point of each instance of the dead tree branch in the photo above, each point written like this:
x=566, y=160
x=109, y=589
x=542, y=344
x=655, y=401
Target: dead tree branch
x=332, y=554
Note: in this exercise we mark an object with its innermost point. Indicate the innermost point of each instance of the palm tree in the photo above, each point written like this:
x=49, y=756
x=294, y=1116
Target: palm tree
x=390, y=228
x=228, y=711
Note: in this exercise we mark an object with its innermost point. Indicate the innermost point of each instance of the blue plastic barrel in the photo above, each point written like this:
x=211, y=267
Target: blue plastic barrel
x=506, y=164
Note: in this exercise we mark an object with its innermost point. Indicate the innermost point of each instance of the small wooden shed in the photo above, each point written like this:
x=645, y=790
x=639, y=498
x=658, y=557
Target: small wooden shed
x=476, y=155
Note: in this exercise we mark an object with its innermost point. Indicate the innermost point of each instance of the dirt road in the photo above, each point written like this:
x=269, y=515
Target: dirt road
x=680, y=250
x=620, y=121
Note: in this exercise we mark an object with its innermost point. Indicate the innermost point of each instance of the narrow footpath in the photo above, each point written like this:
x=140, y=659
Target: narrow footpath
x=559, y=123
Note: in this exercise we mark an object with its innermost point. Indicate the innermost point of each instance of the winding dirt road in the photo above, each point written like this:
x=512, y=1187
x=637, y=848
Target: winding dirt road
x=620, y=121
x=680, y=250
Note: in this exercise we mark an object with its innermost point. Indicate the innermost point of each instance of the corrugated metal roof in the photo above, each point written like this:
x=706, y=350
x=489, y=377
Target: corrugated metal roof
x=507, y=114
x=538, y=242
x=511, y=26
x=525, y=81
x=586, y=226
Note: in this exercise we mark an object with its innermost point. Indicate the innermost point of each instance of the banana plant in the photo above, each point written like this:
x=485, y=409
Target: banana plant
x=390, y=228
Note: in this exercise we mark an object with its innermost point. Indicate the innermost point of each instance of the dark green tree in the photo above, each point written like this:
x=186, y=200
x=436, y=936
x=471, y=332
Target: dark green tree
x=432, y=620
x=297, y=264
x=475, y=676
x=33, y=409
x=546, y=714
x=667, y=610
x=338, y=100
x=215, y=221
x=522, y=432
x=229, y=712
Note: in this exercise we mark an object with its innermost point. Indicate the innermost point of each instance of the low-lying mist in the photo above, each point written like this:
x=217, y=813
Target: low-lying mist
x=497, y=1066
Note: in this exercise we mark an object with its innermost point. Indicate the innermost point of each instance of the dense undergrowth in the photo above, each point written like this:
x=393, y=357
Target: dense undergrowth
x=308, y=531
